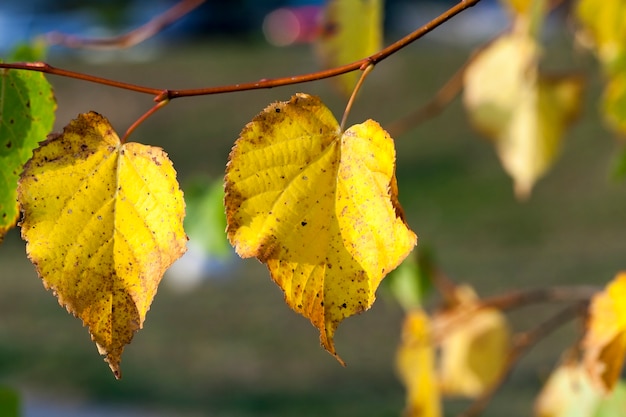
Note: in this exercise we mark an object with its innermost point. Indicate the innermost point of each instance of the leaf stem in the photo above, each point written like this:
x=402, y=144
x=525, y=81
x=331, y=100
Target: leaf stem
x=263, y=83
x=368, y=68
x=143, y=117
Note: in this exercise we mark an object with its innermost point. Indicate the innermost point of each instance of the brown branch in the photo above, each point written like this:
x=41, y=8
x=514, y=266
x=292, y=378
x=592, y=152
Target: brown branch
x=523, y=298
x=445, y=286
x=162, y=94
x=49, y=69
x=434, y=107
x=131, y=38
x=524, y=342
x=373, y=59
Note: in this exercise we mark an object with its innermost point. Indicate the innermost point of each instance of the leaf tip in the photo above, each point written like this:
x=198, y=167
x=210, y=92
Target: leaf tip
x=329, y=345
x=327, y=334
x=115, y=368
x=113, y=359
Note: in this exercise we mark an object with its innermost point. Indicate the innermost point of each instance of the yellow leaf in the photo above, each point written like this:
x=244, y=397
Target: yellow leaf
x=615, y=102
x=319, y=207
x=474, y=346
x=351, y=30
x=604, y=27
x=524, y=113
x=103, y=221
x=415, y=364
x=605, y=339
x=568, y=393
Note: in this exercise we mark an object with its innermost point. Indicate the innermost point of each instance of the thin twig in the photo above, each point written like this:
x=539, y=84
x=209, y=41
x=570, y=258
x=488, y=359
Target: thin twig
x=524, y=342
x=522, y=298
x=357, y=87
x=445, y=286
x=49, y=69
x=373, y=59
x=436, y=105
x=161, y=94
x=131, y=38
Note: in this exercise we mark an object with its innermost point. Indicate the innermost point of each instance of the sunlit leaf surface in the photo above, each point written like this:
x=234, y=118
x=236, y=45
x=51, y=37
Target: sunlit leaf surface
x=319, y=207
x=103, y=221
x=605, y=339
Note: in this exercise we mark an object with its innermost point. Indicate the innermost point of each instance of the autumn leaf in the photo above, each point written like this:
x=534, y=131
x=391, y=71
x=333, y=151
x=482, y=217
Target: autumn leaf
x=568, y=392
x=351, y=30
x=474, y=344
x=27, y=108
x=415, y=364
x=319, y=207
x=614, y=102
x=605, y=338
x=102, y=220
x=522, y=111
x=603, y=29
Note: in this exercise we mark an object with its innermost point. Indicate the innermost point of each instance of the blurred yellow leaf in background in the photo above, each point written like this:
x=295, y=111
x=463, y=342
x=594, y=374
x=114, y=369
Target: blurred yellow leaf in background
x=614, y=101
x=351, y=30
x=103, y=221
x=474, y=343
x=415, y=364
x=319, y=207
x=605, y=338
x=568, y=392
x=523, y=112
x=603, y=29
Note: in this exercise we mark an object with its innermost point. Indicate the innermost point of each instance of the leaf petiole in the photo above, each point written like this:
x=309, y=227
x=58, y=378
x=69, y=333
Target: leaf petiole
x=366, y=70
x=143, y=117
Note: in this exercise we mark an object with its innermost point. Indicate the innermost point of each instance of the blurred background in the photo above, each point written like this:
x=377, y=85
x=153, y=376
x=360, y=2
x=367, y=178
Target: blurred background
x=219, y=340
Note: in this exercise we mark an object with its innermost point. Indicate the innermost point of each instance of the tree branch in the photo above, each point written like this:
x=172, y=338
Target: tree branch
x=523, y=298
x=163, y=94
x=131, y=38
x=436, y=105
x=49, y=69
